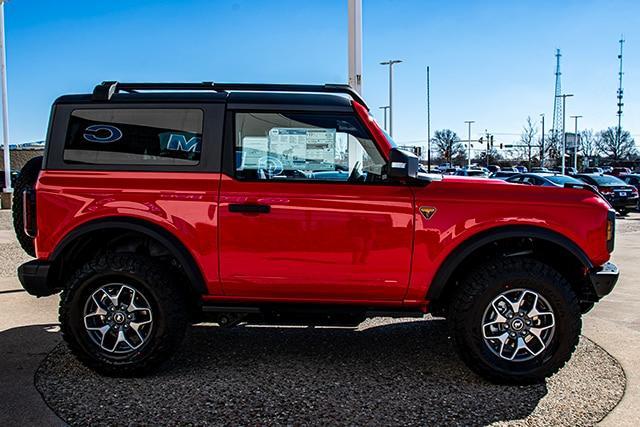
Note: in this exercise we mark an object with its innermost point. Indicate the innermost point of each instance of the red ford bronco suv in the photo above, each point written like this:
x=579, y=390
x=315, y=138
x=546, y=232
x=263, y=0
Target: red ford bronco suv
x=160, y=205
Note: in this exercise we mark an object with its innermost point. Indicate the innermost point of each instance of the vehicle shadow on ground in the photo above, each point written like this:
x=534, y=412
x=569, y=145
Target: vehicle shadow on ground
x=399, y=373
x=22, y=349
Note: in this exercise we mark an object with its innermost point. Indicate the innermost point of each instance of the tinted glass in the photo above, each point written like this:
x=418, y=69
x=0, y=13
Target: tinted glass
x=134, y=137
x=560, y=179
x=311, y=147
x=607, y=180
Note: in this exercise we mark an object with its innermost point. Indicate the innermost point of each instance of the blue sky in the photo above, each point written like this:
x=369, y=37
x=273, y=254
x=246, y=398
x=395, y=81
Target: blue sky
x=491, y=61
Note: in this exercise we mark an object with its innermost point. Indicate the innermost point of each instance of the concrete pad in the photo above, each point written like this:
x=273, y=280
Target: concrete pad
x=614, y=324
x=28, y=331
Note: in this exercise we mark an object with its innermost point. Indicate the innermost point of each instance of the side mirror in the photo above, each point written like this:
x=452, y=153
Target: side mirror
x=402, y=164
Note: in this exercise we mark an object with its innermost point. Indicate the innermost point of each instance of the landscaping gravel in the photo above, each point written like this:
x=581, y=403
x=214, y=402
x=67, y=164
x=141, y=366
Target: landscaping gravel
x=387, y=372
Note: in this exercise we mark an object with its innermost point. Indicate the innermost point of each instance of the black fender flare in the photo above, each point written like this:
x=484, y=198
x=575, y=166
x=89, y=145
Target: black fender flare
x=469, y=246
x=162, y=236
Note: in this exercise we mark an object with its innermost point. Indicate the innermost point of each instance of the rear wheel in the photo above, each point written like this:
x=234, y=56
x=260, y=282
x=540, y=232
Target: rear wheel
x=123, y=314
x=515, y=320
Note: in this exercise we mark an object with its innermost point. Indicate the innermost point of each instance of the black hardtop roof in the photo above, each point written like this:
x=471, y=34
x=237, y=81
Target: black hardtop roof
x=328, y=95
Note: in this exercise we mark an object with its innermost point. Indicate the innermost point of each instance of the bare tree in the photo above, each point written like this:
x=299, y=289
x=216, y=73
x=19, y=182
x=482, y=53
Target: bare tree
x=527, y=139
x=589, y=145
x=614, y=148
x=548, y=147
x=447, y=145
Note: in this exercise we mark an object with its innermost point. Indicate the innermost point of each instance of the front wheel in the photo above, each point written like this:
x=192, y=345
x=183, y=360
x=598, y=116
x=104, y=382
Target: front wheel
x=123, y=314
x=515, y=320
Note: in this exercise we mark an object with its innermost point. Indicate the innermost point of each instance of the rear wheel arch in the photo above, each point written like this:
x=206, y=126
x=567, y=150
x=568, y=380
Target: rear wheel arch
x=550, y=246
x=81, y=237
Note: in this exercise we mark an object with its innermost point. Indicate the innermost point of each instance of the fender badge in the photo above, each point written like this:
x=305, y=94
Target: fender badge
x=427, y=211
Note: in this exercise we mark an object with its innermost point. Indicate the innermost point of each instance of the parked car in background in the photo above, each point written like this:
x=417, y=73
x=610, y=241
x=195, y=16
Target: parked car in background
x=634, y=180
x=494, y=168
x=618, y=193
x=569, y=170
x=482, y=173
x=607, y=169
x=544, y=179
x=594, y=169
x=444, y=166
x=449, y=171
x=509, y=169
x=14, y=175
x=620, y=171
x=503, y=175
x=540, y=170
x=521, y=169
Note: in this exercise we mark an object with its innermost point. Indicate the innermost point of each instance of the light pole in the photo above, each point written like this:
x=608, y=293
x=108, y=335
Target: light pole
x=354, y=13
x=564, y=133
x=385, y=108
x=428, y=124
x=542, y=143
x=390, y=64
x=5, y=105
x=469, y=142
x=575, y=141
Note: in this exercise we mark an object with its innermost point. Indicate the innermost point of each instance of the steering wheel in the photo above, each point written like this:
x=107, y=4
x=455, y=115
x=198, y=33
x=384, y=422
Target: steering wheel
x=355, y=174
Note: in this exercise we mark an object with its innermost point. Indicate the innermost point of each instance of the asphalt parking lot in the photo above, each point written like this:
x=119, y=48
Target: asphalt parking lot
x=384, y=372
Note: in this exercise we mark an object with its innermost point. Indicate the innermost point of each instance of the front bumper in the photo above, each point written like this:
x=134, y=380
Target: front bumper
x=34, y=277
x=603, y=279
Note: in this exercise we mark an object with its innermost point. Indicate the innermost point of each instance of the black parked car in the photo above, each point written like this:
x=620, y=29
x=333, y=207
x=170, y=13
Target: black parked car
x=633, y=179
x=593, y=169
x=621, y=195
x=544, y=179
x=503, y=175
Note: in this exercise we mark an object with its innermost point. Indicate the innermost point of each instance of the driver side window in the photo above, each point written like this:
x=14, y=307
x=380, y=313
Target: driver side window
x=305, y=147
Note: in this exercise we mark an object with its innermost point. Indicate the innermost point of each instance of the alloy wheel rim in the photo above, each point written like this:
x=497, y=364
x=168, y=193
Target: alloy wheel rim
x=518, y=325
x=118, y=318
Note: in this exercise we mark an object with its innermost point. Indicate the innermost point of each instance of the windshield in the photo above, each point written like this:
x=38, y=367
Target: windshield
x=563, y=179
x=607, y=180
x=391, y=141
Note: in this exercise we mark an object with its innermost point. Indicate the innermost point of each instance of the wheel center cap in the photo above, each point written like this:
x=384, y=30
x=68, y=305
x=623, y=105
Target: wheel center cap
x=119, y=317
x=517, y=324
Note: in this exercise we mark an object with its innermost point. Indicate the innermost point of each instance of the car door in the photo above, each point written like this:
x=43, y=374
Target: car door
x=307, y=214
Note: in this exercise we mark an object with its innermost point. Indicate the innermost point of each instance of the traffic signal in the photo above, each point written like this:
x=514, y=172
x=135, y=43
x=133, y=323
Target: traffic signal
x=491, y=141
x=501, y=146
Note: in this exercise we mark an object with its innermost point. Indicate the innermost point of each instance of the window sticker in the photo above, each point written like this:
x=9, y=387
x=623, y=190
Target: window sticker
x=311, y=149
x=102, y=133
x=186, y=142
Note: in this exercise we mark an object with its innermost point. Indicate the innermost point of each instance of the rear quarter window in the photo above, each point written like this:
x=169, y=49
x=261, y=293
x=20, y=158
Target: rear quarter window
x=121, y=136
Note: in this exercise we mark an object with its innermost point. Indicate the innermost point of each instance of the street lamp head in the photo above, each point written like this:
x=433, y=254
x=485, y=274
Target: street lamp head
x=391, y=62
x=469, y=121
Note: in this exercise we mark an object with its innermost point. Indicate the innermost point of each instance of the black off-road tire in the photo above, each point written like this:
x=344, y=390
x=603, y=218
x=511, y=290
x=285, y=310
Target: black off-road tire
x=167, y=301
x=26, y=179
x=486, y=282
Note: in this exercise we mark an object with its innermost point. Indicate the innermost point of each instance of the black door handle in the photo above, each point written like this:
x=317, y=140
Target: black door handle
x=248, y=208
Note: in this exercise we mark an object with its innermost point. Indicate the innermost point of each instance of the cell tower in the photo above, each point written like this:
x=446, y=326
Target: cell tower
x=620, y=92
x=557, y=102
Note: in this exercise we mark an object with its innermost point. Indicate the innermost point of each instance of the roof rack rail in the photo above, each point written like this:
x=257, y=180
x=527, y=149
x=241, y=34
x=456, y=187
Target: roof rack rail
x=105, y=90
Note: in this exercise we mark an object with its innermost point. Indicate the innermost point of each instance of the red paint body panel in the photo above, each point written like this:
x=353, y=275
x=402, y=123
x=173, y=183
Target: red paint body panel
x=321, y=242
x=325, y=241
x=185, y=204
x=468, y=206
